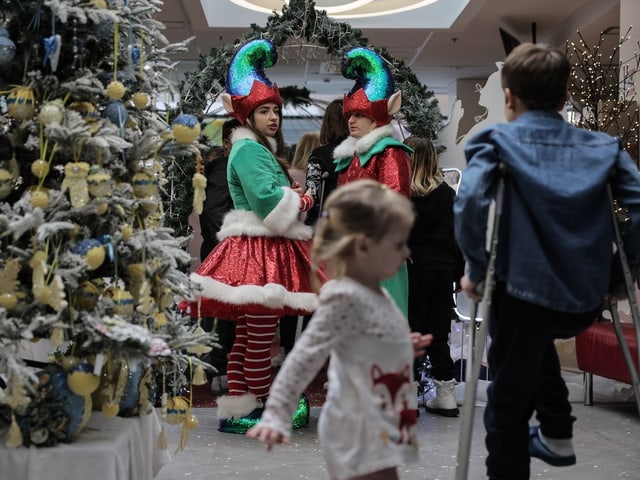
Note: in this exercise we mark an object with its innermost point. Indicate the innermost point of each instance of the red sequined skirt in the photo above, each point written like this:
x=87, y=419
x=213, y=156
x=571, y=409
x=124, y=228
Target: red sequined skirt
x=256, y=276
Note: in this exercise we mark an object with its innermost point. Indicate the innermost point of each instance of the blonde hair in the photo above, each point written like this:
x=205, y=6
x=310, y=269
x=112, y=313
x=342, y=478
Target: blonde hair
x=426, y=174
x=307, y=143
x=363, y=207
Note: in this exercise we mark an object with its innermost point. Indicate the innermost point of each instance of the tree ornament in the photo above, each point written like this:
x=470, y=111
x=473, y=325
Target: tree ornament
x=99, y=3
x=141, y=100
x=81, y=379
x=185, y=128
x=92, y=251
x=39, y=197
x=52, y=47
x=51, y=112
x=145, y=188
x=89, y=113
x=75, y=181
x=86, y=296
x=117, y=113
x=127, y=231
x=40, y=168
x=99, y=183
x=39, y=288
x=9, y=284
x=199, y=192
x=7, y=48
x=21, y=103
x=7, y=181
x=115, y=90
x=176, y=410
x=122, y=301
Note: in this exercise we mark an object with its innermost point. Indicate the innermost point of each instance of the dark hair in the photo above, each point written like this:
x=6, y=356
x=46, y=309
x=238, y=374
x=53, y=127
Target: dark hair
x=228, y=126
x=280, y=152
x=538, y=75
x=334, y=127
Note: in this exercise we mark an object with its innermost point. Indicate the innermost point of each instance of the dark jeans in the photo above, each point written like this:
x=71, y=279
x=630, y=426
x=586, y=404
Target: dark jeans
x=526, y=378
x=287, y=328
x=430, y=304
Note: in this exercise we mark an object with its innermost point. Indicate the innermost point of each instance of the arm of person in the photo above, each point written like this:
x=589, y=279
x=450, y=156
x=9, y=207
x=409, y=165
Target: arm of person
x=395, y=170
x=471, y=207
x=626, y=190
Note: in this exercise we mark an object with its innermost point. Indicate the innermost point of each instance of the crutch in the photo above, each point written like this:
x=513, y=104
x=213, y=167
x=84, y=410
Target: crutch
x=617, y=213
x=477, y=346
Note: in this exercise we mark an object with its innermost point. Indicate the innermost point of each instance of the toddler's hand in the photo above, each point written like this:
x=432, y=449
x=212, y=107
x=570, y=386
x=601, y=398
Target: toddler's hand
x=267, y=435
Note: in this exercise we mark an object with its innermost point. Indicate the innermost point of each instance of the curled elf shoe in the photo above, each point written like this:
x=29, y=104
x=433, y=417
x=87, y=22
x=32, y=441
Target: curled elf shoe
x=241, y=425
x=539, y=450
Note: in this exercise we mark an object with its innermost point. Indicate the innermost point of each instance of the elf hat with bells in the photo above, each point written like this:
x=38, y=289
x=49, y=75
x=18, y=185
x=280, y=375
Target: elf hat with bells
x=247, y=85
x=373, y=93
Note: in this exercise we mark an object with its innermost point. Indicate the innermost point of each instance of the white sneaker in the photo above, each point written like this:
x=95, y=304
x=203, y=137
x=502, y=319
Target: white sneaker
x=444, y=403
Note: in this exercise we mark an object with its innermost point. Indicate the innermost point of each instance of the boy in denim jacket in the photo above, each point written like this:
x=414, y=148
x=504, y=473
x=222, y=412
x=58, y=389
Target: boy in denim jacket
x=554, y=256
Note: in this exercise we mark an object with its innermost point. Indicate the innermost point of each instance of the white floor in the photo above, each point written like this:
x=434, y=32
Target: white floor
x=606, y=439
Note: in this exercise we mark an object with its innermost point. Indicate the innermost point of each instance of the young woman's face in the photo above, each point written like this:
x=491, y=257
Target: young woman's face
x=266, y=119
x=359, y=125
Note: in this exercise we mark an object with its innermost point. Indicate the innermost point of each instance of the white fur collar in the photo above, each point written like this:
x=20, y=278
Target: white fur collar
x=241, y=133
x=364, y=144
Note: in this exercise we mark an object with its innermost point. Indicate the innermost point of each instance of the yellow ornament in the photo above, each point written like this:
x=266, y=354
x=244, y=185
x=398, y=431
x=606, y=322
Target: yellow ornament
x=127, y=231
x=52, y=112
x=87, y=295
x=140, y=100
x=40, y=168
x=39, y=198
x=21, y=103
x=110, y=409
x=185, y=128
x=99, y=3
x=8, y=301
x=99, y=182
x=122, y=300
x=199, y=182
x=176, y=410
x=145, y=188
x=9, y=284
x=81, y=380
x=75, y=180
x=95, y=257
x=68, y=362
x=115, y=90
x=89, y=113
x=192, y=422
x=161, y=319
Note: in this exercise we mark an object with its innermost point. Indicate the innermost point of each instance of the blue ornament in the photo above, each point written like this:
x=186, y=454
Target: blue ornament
x=83, y=246
x=7, y=48
x=129, y=404
x=117, y=113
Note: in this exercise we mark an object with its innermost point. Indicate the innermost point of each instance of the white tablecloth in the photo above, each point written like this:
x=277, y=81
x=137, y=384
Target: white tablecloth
x=109, y=448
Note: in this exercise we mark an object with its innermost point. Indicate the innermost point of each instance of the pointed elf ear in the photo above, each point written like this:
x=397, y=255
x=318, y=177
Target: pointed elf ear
x=226, y=102
x=394, y=103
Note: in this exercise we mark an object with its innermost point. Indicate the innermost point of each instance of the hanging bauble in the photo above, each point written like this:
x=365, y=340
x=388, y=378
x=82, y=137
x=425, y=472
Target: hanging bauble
x=81, y=379
x=7, y=48
x=75, y=180
x=176, y=410
x=115, y=90
x=131, y=395
x=56, y=414
x=93, y=252
x=117, y=113
x=39, y=197
x=86, y=296
x=7, y=182
x=21, y=103
x=89, y=113
x=140, y=100
x=123, y=302
x=8, y=301
x=145, y=188
x=185, y=128
x=68, y=362
x=51, y=112
x=99, y=3
x=161, y=319
x=40, y=168
x=127, y=231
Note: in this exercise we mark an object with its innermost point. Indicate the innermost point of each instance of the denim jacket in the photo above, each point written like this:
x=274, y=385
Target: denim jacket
x=555, y=241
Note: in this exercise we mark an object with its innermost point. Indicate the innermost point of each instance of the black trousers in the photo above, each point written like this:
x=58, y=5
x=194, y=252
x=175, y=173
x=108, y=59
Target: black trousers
x=430, y=304
x=526, y=378
x=226, y=333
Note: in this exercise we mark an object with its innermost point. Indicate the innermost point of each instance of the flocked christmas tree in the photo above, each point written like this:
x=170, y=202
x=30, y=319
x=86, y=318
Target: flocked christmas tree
x=86, y=262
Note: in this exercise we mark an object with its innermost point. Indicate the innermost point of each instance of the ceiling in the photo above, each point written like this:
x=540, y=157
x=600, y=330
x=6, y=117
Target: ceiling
x=468, y=48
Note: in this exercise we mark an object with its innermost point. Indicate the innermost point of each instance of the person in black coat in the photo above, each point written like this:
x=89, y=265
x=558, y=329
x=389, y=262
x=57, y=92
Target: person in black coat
x=435, y=264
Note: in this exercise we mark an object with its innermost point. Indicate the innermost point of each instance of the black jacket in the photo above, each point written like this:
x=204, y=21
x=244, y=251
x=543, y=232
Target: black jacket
x=216, y=205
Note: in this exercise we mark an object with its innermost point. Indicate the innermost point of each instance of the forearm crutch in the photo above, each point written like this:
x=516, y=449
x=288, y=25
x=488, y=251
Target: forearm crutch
x=477, y=345
x=631, y=295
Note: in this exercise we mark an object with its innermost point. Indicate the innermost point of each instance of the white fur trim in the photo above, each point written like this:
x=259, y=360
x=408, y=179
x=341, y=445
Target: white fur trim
x=241, y=133
x=236, y=406
x=246, y=223
x=271, y=295
x=364, y=144
x=285, y=214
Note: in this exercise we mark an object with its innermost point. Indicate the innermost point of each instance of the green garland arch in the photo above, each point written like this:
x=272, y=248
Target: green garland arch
x=300, y=20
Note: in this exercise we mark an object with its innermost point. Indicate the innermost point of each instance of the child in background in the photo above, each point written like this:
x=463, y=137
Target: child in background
x=366, y=427
x=554, y=255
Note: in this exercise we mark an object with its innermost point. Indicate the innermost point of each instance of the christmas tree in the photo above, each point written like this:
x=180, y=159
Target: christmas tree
x=86, y=260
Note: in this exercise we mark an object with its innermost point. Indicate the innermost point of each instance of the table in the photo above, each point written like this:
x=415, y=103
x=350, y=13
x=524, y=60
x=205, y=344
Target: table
x=109, y=448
